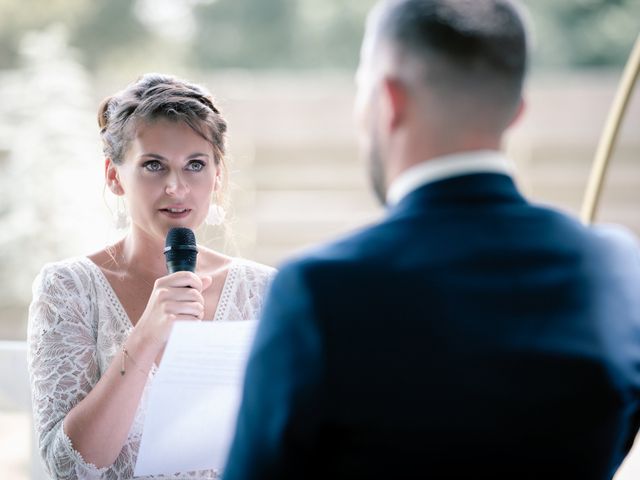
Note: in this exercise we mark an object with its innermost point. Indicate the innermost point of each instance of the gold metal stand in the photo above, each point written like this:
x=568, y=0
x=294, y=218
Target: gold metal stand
x=610, y=134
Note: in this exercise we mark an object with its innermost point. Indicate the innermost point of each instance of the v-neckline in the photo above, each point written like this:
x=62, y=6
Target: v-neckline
x=221, y=307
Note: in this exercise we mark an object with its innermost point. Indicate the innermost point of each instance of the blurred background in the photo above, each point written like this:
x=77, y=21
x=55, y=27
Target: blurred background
x=282, y=73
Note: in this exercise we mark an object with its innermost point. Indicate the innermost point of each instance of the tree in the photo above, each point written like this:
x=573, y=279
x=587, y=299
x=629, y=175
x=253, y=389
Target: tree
x=584, y=33
x=292, y=34
x=105, y=28
x=245, y=33
x=16, y=18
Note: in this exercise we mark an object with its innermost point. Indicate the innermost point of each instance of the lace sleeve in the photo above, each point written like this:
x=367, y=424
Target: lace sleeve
x=249, y=283
x=257, y=279
x=62, y=362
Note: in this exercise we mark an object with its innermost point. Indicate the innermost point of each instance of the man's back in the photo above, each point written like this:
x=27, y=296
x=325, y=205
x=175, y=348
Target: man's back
x=469, y=335
x=492, y=334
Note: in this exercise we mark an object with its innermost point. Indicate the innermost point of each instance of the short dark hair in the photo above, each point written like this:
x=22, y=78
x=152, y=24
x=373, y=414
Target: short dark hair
x=472, y=40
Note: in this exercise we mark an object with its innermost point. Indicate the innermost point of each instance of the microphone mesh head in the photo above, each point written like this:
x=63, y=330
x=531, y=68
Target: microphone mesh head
x=180, y=236
x=180, y=249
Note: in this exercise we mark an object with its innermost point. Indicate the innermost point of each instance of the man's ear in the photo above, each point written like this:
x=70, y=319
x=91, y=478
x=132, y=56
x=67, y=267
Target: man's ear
x=395, y=101
x=112, y=178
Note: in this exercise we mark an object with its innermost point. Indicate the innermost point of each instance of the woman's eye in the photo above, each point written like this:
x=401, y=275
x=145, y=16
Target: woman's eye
x=152, y=166
x=196, y=166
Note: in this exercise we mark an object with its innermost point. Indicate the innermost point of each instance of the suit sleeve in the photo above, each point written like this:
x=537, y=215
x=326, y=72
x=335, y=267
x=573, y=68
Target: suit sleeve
x=282, y=401
x=626, y=249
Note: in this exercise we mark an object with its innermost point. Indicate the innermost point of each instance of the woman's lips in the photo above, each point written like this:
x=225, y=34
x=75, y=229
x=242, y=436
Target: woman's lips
x=175, y=212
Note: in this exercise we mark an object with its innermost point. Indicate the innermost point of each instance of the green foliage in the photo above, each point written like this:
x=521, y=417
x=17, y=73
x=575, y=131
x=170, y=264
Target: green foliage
x=108, y=26
x=18, y=17
x=245, y=33
x=330, y=32
x=296, y=34
x=583, y=33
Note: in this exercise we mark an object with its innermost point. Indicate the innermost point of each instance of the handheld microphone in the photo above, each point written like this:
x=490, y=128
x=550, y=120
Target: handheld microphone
x=180, y=250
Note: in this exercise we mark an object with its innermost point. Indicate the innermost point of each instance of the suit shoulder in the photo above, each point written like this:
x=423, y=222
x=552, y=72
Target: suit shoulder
x=615, y=234
x=607, y=235
x=619, y=242
x=604, y=242
x=601, y=233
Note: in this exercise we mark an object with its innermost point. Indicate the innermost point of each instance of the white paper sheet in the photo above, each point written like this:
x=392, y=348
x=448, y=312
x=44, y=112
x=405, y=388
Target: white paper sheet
x=194, y=398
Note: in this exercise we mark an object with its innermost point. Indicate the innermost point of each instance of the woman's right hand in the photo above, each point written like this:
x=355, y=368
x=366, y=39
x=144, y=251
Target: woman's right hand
x=98, y=425
x=171, y=300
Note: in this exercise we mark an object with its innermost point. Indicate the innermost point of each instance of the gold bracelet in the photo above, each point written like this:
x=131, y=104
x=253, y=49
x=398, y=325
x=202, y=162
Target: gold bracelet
x=125, y=355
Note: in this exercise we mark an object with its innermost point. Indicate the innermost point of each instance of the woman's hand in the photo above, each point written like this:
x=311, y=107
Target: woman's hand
x=99, y=424
x=171, y=300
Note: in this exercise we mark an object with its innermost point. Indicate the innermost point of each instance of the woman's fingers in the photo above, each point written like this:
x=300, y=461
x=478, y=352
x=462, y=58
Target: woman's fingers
x=206, y=280
x=181, y=294
x=185, y=309
x=180, y=280
x=171, y=300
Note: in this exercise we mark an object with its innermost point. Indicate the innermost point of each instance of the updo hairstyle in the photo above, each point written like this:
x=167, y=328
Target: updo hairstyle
x=155, y=96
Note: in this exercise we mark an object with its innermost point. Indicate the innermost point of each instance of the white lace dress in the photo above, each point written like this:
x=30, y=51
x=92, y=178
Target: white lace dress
x=76, y=327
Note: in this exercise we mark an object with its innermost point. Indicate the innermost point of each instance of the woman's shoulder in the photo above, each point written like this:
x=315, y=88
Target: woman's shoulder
x=251, y=266
x=68, y=265
x=70, y=271
x=250, y=276
x=234, y=265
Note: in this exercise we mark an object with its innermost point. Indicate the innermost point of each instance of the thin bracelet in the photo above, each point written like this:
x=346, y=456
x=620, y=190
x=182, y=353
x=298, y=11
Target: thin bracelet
x=125, y=355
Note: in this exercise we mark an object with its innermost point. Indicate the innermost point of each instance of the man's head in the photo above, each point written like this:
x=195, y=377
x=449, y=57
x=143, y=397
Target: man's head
x=436, y=77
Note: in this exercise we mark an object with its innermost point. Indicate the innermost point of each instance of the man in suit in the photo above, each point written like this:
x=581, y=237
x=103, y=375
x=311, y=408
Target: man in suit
x=471, y=333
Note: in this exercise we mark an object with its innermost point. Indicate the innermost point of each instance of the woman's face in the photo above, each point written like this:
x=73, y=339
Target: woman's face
x=167, y=177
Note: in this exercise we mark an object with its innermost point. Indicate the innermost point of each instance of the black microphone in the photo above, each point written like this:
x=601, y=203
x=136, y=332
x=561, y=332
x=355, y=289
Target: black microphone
x=180, y=250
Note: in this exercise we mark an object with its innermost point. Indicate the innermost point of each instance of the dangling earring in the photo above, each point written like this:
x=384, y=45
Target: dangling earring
x=120, y=218
x=216, y=213
x=215, y=216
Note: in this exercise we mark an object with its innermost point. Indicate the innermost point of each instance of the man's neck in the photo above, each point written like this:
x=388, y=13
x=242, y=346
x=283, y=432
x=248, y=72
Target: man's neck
x=447, y=166
x=425, y=148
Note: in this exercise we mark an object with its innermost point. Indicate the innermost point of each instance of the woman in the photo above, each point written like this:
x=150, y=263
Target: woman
x=98, y=324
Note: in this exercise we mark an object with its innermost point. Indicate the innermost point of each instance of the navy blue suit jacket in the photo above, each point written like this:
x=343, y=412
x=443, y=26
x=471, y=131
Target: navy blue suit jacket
x=470, y=334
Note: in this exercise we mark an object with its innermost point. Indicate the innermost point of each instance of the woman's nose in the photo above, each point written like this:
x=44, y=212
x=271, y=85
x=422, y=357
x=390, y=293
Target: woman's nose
x=176, y=186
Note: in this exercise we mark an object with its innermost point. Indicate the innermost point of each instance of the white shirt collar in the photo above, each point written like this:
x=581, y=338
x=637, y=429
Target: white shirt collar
x=432, y=170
